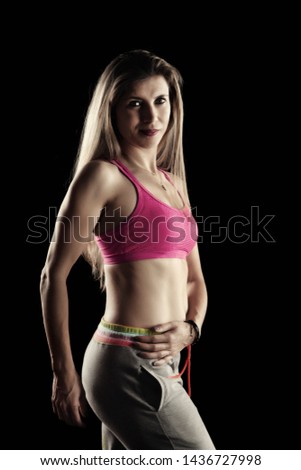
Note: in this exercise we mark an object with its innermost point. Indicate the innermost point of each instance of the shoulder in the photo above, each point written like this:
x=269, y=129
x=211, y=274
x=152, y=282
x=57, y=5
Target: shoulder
x=94, y=170
x=95, y=180
x=96, y=173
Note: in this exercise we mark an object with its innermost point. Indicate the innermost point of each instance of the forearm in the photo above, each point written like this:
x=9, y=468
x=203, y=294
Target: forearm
x=54, y=298
x=197, y=302
x=68, y=396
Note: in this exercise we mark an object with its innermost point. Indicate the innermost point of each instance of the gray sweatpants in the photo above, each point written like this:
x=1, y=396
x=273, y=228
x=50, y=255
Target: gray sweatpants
x=139, y=405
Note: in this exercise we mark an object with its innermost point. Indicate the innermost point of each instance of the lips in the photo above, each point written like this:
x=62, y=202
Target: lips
x=149, y=132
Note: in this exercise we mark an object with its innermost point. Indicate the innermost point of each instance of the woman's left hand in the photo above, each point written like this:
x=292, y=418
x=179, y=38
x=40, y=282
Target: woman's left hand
x=168, y=340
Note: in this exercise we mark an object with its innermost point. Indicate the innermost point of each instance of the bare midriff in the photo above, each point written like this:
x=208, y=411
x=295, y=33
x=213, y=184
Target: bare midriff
x=146, y=293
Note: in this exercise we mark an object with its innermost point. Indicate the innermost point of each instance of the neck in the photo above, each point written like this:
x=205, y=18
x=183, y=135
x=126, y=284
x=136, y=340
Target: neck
x=145, y=161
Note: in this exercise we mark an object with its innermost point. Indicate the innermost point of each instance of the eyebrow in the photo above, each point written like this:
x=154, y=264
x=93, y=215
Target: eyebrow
x=139, y=98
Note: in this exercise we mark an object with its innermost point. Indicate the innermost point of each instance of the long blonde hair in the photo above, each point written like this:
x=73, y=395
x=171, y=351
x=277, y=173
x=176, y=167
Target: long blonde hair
x=99, y=139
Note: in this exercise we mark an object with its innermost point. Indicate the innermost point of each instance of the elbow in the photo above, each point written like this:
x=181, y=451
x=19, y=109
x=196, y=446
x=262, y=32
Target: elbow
x=51, y=275
x=44, y=279
x=197, y=285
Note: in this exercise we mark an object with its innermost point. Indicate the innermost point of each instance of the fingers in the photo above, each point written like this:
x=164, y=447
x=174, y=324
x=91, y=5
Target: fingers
x=71, y=414
x=161, y=362
x=164, y=327
x=168, y=337
x=167, y=332
x=159, y=358
x=69, y=407
x=154, y=355
x=150, y=346
x=160, y=352
x=164, y=338
x=159, y=331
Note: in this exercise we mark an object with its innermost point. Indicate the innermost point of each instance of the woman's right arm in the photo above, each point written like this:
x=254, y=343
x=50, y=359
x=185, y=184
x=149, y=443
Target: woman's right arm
x=74, y=227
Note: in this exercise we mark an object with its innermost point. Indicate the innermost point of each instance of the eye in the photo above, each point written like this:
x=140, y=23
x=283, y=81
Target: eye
x=134, y=104
x=160, y=100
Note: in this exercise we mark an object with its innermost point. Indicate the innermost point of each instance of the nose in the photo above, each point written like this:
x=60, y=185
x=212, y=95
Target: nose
x=148, y=113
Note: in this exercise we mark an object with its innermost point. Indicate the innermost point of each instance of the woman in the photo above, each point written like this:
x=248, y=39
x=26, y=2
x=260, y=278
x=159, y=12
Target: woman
x=127, y=211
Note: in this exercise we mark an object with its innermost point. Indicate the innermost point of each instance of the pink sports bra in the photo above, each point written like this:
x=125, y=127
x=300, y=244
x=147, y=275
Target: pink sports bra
x=153, y=230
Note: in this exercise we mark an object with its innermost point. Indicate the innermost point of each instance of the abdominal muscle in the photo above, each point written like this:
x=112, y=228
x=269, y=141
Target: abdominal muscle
x=146, y=293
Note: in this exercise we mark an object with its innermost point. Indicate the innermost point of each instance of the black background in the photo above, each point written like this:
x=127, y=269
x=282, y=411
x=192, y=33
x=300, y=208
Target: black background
x=243, y=370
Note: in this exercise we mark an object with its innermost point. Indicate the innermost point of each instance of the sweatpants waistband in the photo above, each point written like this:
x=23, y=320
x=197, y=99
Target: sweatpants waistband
x=122, y=335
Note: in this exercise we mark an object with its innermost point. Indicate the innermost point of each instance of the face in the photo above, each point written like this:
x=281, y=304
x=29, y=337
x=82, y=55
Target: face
x=142, y=114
